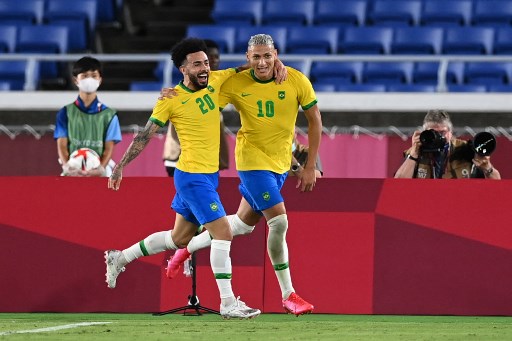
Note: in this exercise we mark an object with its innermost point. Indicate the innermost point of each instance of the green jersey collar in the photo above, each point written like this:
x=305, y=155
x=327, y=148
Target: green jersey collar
x=259, y=80
x=181, y=85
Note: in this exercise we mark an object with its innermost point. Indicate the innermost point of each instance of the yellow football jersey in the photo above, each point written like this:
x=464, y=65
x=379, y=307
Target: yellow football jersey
x=268, y=112
x=196, y=116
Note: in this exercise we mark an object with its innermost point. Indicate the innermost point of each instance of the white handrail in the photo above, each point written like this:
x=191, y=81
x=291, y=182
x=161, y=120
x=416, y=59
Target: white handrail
x=444, y=60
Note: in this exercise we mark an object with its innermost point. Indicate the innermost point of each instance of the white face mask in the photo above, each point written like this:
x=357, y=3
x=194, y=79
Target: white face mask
x=88, y=84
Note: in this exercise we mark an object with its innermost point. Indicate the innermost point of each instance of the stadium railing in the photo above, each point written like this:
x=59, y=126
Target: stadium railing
x=443, y=60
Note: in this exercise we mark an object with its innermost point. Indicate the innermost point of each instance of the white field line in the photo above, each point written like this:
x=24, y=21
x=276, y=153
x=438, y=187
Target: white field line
x=52, y=329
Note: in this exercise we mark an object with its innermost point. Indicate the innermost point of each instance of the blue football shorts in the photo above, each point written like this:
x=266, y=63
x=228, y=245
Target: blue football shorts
x=196, y=197
x=261, y=188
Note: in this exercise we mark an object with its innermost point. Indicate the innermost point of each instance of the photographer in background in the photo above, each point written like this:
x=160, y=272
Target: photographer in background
x=436, y=154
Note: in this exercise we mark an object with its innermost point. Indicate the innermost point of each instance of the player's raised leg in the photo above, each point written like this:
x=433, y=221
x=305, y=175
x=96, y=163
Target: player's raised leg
x=155, y=243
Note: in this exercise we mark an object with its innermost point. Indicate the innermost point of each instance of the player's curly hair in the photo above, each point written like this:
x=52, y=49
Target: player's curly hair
x=185, y=47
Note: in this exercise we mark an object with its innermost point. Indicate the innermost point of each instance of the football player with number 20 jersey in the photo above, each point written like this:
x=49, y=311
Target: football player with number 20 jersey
x=196, y=116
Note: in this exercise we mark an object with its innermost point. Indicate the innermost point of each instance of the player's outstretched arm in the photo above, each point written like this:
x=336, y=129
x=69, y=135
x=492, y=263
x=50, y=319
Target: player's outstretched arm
x=136, y=147
x=307, y=178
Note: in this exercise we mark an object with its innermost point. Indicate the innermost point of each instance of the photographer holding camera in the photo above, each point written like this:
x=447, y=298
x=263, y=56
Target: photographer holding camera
x=436, y=154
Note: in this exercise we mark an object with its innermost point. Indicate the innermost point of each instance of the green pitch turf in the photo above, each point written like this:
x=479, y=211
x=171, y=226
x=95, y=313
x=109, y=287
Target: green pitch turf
x=146, y=327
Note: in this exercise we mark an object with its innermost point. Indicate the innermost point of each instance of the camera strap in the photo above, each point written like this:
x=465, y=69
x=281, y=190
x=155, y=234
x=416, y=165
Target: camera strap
x=439, y=162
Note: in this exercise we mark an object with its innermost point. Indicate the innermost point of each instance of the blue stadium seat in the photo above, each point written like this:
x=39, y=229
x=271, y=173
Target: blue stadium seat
x=395, y=13
x=80, y=18
x=21, y=12
x=468, y=40
x=106, y=10
x=455, y=73
x=7, y=38
x=320, y=40
x=361, y=88
x=417, y=40
x=176, y=75
x=366, y=40
x=492, y=13
x=243, y=34
x=496, y=73
x=329, y=12
x=499, y=88
x=503, y=41
x=324, y=87
x=158, y=72
x=427, y=73
x=336, y=72
x=282, y=12
x=13, y=72
x=5, y=86
x=388, y=72
x=466, y=88
x=44, y=39
x=236, y=12
x=446, y=13
x=411, y=88
x=297, y=65
x=224, y=36
x=146, y=86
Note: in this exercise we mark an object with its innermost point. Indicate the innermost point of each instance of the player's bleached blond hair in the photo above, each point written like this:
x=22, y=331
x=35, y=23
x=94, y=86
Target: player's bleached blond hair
x=261, y=39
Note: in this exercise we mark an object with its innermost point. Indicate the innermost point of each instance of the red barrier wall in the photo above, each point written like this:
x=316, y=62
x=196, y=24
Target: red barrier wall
x=357, y=246
x=343, y=156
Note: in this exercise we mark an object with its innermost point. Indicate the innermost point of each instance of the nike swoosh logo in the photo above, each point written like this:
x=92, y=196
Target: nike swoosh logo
x=244, y=94
x=183, y=102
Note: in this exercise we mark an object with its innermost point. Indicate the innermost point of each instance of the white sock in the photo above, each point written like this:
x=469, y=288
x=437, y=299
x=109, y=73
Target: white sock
x=285, y=282
x=221, y=267
x=278, y=253
x=201, y=241
x=152, y=244
x=204, y=240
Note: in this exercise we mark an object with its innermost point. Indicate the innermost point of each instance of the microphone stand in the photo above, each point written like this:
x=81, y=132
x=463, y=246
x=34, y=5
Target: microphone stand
x=193, y=300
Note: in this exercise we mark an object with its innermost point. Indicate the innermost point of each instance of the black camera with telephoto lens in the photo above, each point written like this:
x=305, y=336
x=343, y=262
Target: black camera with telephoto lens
x=483, y=143
x=432, y=141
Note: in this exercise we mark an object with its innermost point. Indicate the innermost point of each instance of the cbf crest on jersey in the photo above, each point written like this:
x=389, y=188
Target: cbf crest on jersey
x=281, y=94
x=210, y=88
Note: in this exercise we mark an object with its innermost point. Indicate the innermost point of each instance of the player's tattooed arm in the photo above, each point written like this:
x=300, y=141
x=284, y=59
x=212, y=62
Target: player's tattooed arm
x=136, y=147
x=139, y=143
